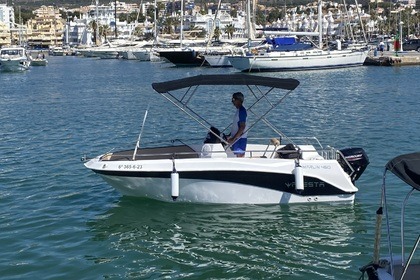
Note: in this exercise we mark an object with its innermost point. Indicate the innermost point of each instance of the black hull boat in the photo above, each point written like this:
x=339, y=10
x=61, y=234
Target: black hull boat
x=184, y=57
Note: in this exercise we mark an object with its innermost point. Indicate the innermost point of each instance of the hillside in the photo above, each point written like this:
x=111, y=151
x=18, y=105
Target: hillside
x=78, y=3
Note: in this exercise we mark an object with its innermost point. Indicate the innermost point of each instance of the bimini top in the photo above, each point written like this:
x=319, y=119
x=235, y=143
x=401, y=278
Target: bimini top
x=232, y=79
x=407, y=168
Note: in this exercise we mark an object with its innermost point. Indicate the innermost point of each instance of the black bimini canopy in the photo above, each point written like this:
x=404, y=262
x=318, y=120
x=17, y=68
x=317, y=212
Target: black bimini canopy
x=232, y=79
x=407, y=168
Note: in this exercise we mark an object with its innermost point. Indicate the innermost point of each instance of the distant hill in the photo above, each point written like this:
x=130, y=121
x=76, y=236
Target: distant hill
x=78, y=3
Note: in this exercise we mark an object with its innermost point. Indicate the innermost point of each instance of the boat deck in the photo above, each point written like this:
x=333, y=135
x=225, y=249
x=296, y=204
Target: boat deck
x=213, y=151
x=171, y=152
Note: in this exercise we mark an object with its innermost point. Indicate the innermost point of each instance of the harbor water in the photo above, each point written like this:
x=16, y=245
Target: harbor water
x=58, y=220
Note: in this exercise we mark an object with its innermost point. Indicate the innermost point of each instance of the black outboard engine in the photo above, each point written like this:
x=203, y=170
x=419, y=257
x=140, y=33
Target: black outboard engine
x=358, y=160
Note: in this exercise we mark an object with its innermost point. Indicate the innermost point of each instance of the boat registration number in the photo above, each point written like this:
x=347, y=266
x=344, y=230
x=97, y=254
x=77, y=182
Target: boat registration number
x=130, y=166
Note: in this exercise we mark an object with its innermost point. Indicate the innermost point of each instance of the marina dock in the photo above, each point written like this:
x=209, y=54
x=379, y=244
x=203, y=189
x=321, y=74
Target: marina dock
x=391, y=58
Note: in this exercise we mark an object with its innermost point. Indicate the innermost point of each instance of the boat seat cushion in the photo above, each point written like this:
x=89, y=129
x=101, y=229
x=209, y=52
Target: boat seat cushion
x=213, y=151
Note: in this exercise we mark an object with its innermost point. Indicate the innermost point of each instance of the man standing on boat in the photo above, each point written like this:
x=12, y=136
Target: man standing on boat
x=238, y=133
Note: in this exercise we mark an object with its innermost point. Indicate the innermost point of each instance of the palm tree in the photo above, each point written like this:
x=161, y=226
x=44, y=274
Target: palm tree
x=104, y=30
x=93, y=26
x=229, y=30
x=217, y=33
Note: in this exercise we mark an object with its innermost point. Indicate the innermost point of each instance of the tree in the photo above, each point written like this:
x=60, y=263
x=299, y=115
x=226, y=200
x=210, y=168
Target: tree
x=229, y=30
x=93, y=26
x=24, y=15
x=216, y=34
x=104, y=30
x=131, y=17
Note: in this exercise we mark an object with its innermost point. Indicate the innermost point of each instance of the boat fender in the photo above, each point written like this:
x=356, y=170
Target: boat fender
x=174, y=185
x=299, y=181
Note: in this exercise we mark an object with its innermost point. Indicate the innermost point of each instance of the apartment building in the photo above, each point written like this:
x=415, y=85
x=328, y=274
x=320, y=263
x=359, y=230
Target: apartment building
x=46, y=29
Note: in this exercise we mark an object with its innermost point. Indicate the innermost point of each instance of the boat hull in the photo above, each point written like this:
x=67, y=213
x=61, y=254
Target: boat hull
x=304, y=60
x=142, y=55
x=183, y=58
x=39, y=62
x=14, y=65
x=231, y=181
x=217, y=60
x=208, y=191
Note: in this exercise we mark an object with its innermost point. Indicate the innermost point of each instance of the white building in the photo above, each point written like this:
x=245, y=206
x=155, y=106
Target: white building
x=7, y=15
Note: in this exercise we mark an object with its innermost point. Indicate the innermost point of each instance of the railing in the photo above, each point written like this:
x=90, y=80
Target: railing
x=266, y=148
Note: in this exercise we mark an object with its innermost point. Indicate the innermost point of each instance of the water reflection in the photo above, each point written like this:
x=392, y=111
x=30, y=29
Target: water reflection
x=247, y=241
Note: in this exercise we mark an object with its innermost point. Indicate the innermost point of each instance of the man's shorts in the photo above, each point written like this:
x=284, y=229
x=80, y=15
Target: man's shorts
x=240, y=146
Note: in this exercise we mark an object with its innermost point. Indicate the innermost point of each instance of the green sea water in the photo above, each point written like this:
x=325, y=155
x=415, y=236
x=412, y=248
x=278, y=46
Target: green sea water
x=58, y=220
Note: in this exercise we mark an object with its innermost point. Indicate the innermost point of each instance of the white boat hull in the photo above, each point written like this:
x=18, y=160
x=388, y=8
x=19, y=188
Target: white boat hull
x=228, y=180
x=142, y=54
x=217, y=60
x=299, y=60
x=105, y=54
x=14, y=65
x=39, y=62
x=198, y=191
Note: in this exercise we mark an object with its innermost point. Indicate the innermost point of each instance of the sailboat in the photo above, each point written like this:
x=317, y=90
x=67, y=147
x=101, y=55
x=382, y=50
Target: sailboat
x=264, y=60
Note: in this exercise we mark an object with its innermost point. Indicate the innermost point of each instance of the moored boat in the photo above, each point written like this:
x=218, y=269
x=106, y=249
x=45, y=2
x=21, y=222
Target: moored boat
x=396, y=266
x=14, y=59
x=40, y=60
x=312, y=59
x=183, y=56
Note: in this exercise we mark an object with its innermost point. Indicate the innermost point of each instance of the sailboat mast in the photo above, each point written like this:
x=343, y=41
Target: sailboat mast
x=115, y=8
x=320, y=24
x=97, y=23
x=214, y=24
x=360, y=21
x=248, y=21
x=181, y=36
x=155, y=24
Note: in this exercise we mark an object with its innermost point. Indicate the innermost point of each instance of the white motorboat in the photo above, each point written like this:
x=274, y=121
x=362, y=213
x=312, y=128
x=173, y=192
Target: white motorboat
x=402, y=266
x=40, y=60
x=14, y=59
x=280, y=170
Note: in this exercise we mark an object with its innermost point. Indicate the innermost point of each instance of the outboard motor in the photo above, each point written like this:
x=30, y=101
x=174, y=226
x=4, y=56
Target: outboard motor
x=358, y=160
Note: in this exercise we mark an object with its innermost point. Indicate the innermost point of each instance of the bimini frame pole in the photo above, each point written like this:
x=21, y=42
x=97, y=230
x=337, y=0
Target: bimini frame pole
x=379, y=212
x=141, y=132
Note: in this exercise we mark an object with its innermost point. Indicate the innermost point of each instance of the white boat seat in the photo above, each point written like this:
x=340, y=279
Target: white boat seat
x=213, y=151
x=309, y=152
